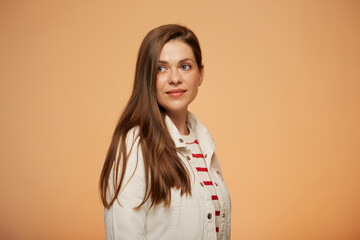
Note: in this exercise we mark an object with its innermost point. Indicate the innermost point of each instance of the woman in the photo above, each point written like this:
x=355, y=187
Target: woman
x=161, y=178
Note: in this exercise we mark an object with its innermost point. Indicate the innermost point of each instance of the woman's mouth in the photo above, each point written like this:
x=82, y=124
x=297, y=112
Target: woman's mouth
x=176, y=92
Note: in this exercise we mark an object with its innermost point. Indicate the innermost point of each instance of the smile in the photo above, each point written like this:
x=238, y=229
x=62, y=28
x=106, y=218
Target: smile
x=176, y=92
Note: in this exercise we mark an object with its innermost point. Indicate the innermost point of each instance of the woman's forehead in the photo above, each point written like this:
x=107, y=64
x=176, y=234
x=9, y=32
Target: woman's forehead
x=176, y=50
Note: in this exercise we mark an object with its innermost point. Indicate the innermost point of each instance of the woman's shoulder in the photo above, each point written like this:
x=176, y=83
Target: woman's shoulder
x=134, y=156
x=132, y=135
x=131, y=143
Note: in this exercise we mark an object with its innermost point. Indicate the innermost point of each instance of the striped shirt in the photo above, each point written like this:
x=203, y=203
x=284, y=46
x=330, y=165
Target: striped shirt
x=199, y=166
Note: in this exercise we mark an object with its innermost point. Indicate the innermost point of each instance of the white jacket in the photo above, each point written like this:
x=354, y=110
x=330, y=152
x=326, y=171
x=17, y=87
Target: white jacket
x=188, y=217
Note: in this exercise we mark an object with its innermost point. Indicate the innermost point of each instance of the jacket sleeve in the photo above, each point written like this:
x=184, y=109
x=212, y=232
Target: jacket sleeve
x=122, y=221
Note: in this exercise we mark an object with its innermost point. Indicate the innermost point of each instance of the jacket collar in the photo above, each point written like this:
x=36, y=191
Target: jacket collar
x=206, y=142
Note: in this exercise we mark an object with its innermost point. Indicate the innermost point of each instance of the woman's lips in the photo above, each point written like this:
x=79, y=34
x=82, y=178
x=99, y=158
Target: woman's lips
x=176, y=92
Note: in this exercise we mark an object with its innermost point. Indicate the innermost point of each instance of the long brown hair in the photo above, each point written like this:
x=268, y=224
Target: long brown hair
x=164, y=169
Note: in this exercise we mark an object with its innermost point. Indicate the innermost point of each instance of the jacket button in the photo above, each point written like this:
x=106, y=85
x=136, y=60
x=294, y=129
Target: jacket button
x=181, y=140
x=205, y=155
x=202, y=184
x=188, y=158
x=216, y=184
x=223, y=215
x=209, y=216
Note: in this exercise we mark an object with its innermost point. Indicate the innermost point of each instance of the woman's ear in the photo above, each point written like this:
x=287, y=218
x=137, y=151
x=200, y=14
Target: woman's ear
x=201, y=74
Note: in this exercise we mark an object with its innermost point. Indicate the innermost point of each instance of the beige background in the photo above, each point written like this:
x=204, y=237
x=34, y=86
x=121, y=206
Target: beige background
x=281, y=97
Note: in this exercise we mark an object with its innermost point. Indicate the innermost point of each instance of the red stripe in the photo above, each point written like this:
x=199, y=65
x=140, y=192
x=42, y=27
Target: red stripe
x=202, y=169
x=217, y=229
x=208, y=182
x=214, y=197
x=198, y=155
x=194, y=142
x=217, y=213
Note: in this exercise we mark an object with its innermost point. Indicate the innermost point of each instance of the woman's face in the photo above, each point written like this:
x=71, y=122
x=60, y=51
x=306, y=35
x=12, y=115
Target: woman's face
x=178, y=77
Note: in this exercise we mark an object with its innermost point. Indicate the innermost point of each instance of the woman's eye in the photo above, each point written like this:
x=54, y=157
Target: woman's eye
x=161, y=69
x=186, y=67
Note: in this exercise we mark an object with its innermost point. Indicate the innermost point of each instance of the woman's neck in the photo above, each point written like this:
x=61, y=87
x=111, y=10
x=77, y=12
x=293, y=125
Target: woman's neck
x=179, y=119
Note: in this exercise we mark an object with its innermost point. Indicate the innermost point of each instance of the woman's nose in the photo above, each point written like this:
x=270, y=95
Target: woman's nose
x=175, y=77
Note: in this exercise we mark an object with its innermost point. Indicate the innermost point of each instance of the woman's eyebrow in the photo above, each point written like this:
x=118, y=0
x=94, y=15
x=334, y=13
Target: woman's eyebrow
x=182, y=60
x=186, y=59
